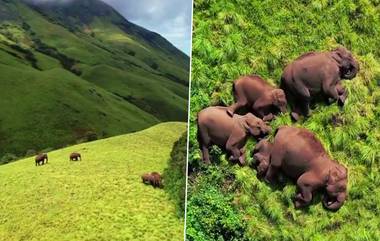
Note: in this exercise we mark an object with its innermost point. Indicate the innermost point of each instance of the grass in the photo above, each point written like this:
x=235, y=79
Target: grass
x=99, y=198
x=69, y=77
x=234, y=38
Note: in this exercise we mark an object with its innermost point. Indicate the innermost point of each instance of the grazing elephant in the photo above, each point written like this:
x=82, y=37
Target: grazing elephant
x=215, y=126
x=153, y=178
x=41, y=159
x=317, y=73
x=75, y=156
x=309, y=164
x=263, y=99
x=261, y=154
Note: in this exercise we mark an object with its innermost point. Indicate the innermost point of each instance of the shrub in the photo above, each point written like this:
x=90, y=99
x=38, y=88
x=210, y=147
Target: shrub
x=8, y=157
x=175, y=174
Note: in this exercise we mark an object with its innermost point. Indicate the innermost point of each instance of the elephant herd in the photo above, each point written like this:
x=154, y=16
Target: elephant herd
x=153, y=178
x=295, y=152
x=42, y=159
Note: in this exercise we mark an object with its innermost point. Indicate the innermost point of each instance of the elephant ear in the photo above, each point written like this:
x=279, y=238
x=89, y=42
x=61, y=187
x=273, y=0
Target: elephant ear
x=251, y=127
x=337, y=56
x=278, y=96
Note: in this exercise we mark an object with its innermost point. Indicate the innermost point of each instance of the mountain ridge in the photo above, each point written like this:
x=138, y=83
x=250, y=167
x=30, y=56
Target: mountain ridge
x=125, y=82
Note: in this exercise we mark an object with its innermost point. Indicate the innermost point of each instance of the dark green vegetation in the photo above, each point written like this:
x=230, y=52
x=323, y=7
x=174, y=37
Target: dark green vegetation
x=175, y=174
x=80, y=71
x=101, y=197
x=234, y=38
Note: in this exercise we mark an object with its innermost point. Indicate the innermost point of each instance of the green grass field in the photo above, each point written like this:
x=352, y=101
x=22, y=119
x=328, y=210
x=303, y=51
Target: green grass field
x=99, y=198
x=70, y=70
x=234, y=38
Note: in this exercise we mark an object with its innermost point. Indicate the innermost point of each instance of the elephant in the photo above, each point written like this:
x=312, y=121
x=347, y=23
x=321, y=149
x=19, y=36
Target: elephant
x=75, y=156
x=308, y=163
x=317, y=74
x=153, y=178
x=254, y=92
x=215, y=126
x=261, y=154
x=41, y=159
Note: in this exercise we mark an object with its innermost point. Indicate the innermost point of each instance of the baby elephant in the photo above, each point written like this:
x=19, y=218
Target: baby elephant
x=309, y=164
x=215, y=126
x=41, y=159
x=75, y=156
x=253, y=92
x=261, y=154
x=153, y=178
x=317, y=73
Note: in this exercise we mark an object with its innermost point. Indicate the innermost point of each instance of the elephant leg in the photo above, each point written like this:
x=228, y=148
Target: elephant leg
x=235, y=154
x=240, y=100
x=306, y=184
x=204, y=143
x=236, y=106
x=205, y=154
x=235, y=143
x=275, y=163
x=295, y=109
x=271, y=175
x=342, y=93
x=330, y=89
x=305, y=107
x=268, y=117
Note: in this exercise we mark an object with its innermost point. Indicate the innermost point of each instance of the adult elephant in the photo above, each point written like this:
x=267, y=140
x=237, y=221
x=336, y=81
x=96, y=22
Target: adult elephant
x=75, y=156
x=317, y=73
x=263, y=99
x=153, y=178
x=41, y=159
x=216, y=126
x=309, y=164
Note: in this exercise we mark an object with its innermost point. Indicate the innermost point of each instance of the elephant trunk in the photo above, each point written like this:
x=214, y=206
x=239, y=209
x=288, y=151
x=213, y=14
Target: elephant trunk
x=336, y=204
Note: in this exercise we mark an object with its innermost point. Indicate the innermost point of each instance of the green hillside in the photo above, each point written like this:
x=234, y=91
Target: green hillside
x=233, y=38
x=70, y=71
x=99, y=198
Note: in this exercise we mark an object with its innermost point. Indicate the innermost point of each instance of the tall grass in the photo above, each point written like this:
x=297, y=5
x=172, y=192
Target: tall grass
x=234, y=38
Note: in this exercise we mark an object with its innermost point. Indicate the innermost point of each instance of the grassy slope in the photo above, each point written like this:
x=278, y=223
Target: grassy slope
x=228, y=202
x=116, y=93
x=99, y=198
x=82, y=105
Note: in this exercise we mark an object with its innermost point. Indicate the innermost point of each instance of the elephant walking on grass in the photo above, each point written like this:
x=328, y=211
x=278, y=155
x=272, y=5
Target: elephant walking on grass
x=41, y=159
x=153, y=178
x=75, y=156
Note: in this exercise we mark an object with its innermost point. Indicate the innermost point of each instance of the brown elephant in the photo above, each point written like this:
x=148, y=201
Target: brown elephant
x=41, y=159
x=317, y=74
x=261, y=154
x=263, y=99
x=301, y=156
x=215, y=126
x=153, y=178
x=75, y=156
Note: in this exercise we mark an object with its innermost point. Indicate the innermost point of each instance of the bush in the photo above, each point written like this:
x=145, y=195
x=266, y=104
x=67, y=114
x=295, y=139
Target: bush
x=8, y=157
x=175, y=174
x=210, y=213
x=30, y=152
